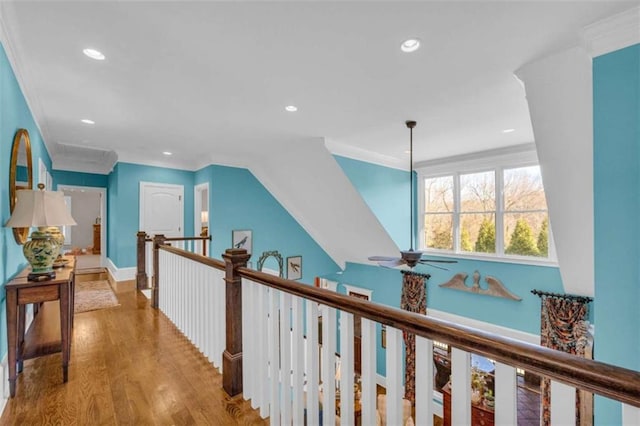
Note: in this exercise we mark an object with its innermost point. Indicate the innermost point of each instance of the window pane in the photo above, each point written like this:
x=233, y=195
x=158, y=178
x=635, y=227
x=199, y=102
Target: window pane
x=523, y=189
x=478, y=232
x=526, y=234
x=438, y=230
x=438, y=194
x=478, y=192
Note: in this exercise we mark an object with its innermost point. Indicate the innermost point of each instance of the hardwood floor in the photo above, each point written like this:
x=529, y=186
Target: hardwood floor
x=129, y=365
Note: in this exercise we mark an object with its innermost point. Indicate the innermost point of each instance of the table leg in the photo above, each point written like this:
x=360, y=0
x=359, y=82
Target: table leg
x=12, y=331
x=64, y=329
x=21, y=330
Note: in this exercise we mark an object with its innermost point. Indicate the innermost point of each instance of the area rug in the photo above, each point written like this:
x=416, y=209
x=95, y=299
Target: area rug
x=94, y=295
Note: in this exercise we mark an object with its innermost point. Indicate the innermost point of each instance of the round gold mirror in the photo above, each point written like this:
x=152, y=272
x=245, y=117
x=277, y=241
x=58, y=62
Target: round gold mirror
x=20, y=176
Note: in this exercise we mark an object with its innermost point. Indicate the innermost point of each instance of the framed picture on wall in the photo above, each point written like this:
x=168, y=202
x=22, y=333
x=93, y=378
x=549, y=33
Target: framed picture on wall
x=242, y=239
x=294, y=267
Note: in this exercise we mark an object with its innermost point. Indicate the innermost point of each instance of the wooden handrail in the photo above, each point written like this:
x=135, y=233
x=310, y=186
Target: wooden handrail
x=607, y=380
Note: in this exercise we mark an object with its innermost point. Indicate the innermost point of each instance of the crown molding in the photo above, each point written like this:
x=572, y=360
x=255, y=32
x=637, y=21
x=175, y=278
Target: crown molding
x=354, y=153
x=613, y=33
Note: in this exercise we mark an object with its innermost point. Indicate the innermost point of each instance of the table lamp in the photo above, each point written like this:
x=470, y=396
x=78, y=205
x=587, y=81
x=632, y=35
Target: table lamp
x=42, y=209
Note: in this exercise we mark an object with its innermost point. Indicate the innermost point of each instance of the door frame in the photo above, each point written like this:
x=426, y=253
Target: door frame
x=197, y=207
x=103, y=213
x=141, y=206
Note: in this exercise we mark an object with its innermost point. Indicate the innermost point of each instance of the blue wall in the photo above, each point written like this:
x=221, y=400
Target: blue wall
x=14, y=115
x=63, y=177
x=386, y=192
x=616, y=153
x=237, y=200
x=123, y=206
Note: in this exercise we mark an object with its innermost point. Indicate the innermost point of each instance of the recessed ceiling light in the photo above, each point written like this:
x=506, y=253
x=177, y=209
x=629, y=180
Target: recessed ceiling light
x=94, y=54
x=410, y=45
x=167, y=153
x=407, y=152
x=508, y=130
x=291, y=108
x=87, y=121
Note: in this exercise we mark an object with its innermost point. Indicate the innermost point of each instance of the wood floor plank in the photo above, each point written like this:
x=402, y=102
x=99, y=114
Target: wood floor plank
x=129, y=366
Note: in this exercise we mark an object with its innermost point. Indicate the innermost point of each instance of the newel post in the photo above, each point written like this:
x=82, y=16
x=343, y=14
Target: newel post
x=158, y=240
x=141, y=275
x=232, y=356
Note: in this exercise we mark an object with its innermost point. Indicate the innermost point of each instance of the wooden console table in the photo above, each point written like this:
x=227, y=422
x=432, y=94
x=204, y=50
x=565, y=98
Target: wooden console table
x=21, y=292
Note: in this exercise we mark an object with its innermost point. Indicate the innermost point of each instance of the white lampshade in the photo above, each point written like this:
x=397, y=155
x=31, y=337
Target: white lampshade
x=39, y=208
x=204, y=217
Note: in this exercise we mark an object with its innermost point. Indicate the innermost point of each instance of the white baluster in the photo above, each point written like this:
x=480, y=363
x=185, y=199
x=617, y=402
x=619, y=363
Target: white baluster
x=298, y=361
x=394, y=376
x=274, y=358
x=506, y=395
x=630, y=415
x=263, y=364
x=563, y=402
x=248, y=362
x=460, y=387
x=368, y=350
x=285, y=357
x=311, y=364
x=328, y=365
x=148, y=257
x=424, y=381
x=347, y=414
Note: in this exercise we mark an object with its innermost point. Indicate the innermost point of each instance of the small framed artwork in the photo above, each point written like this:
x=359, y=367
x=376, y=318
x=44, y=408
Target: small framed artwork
x=294, y=267
x=242, y=239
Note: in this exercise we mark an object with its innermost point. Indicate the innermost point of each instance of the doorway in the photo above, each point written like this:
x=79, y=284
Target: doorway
x=162, y=209
x=88, y=208
x=365, y=294
x=201, y=209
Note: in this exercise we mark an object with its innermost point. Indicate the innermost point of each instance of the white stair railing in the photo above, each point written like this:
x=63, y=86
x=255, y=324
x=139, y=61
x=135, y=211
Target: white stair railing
x=292, y=379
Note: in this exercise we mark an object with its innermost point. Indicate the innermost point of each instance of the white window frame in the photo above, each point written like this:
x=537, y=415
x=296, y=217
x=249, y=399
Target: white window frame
x=495, y=160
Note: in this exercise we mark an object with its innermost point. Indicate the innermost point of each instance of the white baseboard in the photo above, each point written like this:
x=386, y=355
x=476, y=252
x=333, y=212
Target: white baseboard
x=4, y=379
x=147, y=293
x=121, y=274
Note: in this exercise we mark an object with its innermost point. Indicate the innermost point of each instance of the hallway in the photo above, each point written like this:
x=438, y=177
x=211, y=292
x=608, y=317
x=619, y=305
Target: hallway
x=129, y=365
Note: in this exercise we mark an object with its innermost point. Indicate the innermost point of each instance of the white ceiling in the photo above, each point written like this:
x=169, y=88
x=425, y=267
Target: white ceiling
x=209, y=80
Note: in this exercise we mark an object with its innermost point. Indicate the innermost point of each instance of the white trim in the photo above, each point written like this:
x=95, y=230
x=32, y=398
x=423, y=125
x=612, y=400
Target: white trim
x=360, y=154
x=358, y=290
x=103, y=213
x=4, y=379
x=485, y=326
x=613, y=33
x=510, y=156
x=121, y=274
x=197, y=206
x=519, y=260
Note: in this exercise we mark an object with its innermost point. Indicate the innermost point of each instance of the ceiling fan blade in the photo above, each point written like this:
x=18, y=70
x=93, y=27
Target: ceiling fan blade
x=426, y=262
x=438, y=261
x=383, y=258
x=392, y=263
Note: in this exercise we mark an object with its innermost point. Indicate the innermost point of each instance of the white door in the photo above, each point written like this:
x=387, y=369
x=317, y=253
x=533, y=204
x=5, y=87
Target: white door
x=161, y=209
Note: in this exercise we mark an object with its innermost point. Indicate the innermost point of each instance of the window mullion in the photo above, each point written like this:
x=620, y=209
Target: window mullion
x=456, y=213
x=499, y=211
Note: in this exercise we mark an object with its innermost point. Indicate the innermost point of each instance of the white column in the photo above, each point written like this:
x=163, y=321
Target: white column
x=460, y=387
x=506, y=395
x=560, y=96
x=424, y=381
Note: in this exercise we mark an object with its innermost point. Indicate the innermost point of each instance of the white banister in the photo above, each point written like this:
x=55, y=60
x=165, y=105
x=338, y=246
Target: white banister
x=192, y=297
x=274, y=349
x=394, y=376
x=460, y=387
x=297, y=360
x=368, y=374
x=328, y=365
x=424, y=381
x=347, y=414
x=312, y=363
x=506, y=395
x=563, y=403
x=630, y=415
x=285, y=357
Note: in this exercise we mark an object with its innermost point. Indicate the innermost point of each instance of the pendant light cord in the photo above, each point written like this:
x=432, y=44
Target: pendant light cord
x=411, y=184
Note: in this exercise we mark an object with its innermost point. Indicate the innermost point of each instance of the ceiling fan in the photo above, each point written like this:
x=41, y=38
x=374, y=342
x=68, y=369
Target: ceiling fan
x=409, y=257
